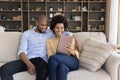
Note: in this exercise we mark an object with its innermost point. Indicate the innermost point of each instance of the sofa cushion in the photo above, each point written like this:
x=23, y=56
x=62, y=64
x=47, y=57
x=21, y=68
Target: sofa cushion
x=95, y=54
x=1, y=63
x=83, y=74
x=81, y=37
x=9, y=42
x=24, y=76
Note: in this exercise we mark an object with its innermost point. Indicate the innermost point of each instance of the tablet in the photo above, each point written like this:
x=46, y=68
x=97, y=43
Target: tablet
x=63, y=41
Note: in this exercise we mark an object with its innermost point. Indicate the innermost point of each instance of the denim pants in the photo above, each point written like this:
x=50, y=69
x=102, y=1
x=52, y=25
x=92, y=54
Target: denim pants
x=60, y=64
x=7, y=70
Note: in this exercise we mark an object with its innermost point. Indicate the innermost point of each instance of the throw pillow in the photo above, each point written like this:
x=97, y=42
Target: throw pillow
x=81, y=38
x=94, y=54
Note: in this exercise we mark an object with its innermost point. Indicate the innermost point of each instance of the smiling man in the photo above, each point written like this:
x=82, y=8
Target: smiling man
x=32, y=52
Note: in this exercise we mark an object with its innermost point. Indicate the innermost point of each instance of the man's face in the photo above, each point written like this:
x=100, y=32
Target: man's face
x=42, y=25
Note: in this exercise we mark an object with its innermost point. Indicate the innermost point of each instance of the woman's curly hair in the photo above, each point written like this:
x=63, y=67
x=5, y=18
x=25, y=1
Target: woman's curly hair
x=58, y=19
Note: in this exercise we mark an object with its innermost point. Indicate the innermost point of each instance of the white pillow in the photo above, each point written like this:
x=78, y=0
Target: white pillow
x=94, y=54
x=81, y=37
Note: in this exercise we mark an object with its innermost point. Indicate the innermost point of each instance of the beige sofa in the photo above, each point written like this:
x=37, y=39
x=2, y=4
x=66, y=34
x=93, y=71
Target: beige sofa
x=9, y=42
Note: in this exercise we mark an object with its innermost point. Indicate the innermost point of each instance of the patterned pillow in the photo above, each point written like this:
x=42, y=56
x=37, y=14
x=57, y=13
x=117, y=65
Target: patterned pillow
x=94, y=54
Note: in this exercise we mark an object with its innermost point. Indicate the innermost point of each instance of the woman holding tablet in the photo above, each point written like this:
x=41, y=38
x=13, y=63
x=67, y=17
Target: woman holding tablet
x=61, y=63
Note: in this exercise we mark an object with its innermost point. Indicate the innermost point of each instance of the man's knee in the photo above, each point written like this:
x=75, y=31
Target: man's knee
x=5, y=69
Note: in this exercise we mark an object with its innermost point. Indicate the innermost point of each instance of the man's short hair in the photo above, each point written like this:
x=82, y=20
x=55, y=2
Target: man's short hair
x=41, y=17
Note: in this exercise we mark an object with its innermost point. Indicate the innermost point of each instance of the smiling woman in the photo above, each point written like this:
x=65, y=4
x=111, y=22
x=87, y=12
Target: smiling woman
x=60, y=63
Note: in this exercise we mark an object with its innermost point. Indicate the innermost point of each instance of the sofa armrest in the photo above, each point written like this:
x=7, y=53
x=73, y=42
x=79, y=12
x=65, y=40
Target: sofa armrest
x=112, y=66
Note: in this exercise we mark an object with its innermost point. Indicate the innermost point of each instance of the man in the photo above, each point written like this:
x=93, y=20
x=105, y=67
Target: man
x=32, y=52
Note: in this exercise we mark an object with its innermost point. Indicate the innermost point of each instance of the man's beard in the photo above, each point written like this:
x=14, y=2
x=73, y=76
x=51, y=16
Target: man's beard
x=40, y=31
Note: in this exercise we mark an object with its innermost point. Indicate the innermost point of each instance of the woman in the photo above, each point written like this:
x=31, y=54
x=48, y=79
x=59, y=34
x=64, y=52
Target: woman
x=60, y=64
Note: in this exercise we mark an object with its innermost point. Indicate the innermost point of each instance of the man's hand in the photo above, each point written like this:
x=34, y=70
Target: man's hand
x=30, y=66
x=31, y=69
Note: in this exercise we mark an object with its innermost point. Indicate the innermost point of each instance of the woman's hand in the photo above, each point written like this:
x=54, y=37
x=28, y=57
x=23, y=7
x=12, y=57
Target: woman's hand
x=70, y=49
x=31, y=69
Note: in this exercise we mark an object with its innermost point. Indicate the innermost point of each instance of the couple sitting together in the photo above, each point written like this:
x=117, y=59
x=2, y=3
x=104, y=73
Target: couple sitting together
x=38, y=59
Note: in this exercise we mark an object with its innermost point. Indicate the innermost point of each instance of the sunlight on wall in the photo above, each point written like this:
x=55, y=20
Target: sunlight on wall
x=118, y=23
x=113, y=22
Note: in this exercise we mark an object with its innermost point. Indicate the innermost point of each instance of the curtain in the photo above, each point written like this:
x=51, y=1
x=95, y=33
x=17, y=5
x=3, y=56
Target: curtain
x=113, y=23
x=118, y=39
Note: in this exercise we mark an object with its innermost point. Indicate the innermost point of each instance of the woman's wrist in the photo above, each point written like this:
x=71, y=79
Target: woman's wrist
x=73, y=52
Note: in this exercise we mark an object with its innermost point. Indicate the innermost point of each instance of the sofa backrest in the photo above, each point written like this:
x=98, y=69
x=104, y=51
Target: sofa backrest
x=83, y=36
x=9, y=43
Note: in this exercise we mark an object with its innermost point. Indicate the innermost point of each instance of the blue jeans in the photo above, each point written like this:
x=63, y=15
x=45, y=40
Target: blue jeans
x=7, y=70
x=60, y=65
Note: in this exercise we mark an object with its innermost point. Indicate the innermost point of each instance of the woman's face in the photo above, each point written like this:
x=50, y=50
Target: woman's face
x=59, y=29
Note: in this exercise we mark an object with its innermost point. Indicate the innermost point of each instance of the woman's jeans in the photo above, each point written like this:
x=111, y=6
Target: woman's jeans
x=7, y=70
x=60, y=65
